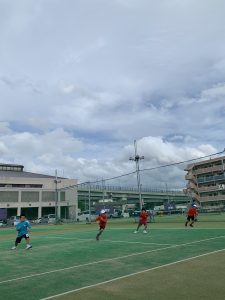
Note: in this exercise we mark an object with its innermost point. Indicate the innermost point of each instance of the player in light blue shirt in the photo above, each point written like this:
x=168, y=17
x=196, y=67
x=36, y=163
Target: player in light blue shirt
x=23, y=232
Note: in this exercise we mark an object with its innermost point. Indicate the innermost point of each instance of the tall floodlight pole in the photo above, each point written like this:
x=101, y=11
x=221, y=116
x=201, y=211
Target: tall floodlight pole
x=103, y=192
x=137, y=158
x=56, y=181
x=89, y=200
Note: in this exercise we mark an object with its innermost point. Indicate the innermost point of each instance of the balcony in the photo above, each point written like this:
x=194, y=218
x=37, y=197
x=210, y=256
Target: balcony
x=213, y=169
x=188, y=176
x=195, y=195
x=191, y=185
x=212, y=198
x=191, y=177
x=211, y=188
x=214, y=178
x=208, y=188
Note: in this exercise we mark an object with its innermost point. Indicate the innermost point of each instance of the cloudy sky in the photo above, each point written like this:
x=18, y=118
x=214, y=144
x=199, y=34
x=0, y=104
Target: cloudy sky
x=80, y=80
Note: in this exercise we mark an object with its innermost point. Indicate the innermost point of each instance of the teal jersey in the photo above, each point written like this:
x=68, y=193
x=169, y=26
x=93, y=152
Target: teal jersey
x=22, y=228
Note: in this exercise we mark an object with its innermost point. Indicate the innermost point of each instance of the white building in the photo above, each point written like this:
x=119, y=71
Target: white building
x=35, y=194
x=206, y=181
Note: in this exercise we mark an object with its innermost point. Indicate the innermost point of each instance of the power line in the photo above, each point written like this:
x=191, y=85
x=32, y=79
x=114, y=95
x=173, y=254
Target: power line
x=181, y=162
x=143, y=170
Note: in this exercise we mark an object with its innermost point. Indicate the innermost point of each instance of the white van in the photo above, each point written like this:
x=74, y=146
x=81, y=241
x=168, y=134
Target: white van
x=49, y=219
x=84, y=216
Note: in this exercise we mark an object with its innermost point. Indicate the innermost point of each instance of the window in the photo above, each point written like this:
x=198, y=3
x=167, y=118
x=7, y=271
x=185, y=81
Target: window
x=15, y=168
x=9, y=196
x=62, y=196
x=29, y=196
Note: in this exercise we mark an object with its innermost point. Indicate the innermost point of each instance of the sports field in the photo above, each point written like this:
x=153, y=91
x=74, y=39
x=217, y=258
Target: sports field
x=66, y=262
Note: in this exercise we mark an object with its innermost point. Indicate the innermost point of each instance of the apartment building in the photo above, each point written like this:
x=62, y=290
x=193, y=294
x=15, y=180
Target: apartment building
x=206, y=182
x=36, y=194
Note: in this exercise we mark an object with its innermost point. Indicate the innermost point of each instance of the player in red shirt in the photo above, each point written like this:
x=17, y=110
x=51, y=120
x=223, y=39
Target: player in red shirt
x=143, y=218
x=191, y=215
x=102, y=220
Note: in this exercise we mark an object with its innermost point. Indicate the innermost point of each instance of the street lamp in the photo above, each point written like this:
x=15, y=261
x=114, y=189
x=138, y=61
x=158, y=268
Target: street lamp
x=137, y=158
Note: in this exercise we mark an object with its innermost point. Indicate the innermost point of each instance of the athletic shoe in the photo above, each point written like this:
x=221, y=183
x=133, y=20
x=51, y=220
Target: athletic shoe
x=191, y=225
x=144, y=231
x=97, y=238
x=186, y=224
x=135, y=231
x=28, y=247
x=13, y=248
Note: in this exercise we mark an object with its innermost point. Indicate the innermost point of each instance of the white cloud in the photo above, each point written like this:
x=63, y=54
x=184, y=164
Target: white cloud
x=59, y=150
x=4, y=127
x=3, y=149
x=80, y=80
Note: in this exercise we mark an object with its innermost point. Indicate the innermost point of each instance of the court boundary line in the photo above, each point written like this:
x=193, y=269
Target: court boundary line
x=132, y=274
x=111, y=241
x=106, y=260
x=171, y=228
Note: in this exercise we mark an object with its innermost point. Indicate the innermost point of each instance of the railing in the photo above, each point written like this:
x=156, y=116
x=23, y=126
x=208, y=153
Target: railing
x=209, y=188
x=129, y=189
x=192, y=185
x=212, y=169
x=189, y=176
x=211, y=178
x=212, y=198
x=194, y=195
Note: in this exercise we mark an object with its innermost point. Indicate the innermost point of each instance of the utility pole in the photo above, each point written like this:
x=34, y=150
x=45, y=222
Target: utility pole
x=168, y=199
x=103, y=192
x=89, y=200
x=137, y=158
x=56, y=181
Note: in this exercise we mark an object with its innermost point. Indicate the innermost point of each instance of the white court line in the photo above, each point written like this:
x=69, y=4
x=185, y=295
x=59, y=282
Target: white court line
x=111, y=241
x=188, y=228
x=172, y=228
x=106, y=260
x=132, y=274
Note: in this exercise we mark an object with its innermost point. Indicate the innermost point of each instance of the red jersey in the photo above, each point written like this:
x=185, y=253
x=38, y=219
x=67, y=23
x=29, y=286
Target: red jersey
x=143, y=217
x=192, y=212
x=102, y=219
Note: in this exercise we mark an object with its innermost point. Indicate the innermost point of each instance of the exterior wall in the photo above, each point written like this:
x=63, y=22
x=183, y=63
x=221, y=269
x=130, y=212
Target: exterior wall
x=206, y=181
x=39, y=198
x=48, y=183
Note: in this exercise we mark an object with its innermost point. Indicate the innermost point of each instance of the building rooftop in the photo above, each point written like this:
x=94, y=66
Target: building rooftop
x=14, y=170
x=203, y=162
x=11, y=167
x=23, y=174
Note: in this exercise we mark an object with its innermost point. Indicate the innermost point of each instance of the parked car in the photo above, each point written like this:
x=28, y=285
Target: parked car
x=37, y=221
x=84, y=216
x=116, y=214
x=3, y=223
x=126, y=214
x=14, y=220
x=48, y=219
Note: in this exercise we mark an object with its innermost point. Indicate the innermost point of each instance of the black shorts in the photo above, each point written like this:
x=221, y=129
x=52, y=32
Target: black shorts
x=19, y=238
x=190, y=218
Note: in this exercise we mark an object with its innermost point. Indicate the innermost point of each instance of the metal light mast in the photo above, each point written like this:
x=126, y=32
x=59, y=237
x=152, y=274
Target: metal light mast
x=56, y=181
x=137, y=158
